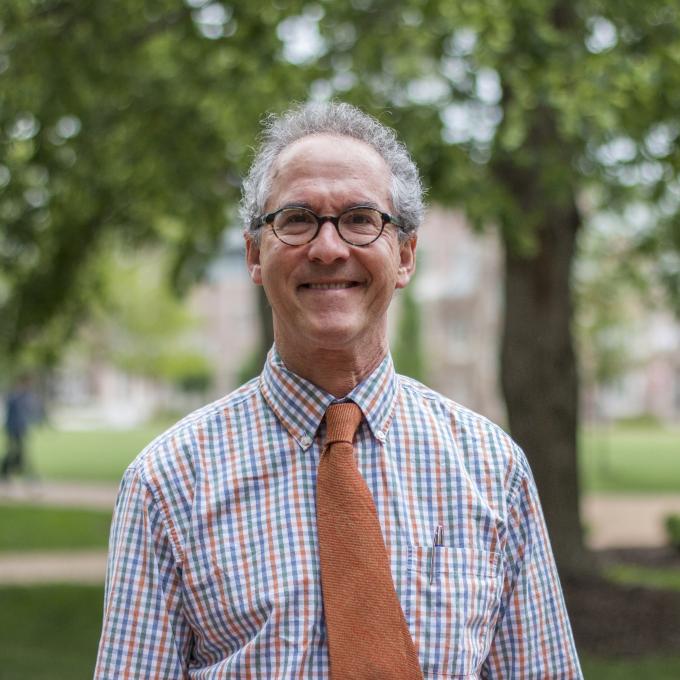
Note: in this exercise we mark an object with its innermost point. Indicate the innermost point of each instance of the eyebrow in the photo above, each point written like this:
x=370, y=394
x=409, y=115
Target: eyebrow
x=297, y=204
x=349, y=206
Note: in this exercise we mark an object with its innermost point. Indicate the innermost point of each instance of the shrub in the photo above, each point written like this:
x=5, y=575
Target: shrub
x=673, y=531
x=642, y=420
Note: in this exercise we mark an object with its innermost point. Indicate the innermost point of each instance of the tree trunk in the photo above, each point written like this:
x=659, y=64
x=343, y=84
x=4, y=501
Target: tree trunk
x=540, y=380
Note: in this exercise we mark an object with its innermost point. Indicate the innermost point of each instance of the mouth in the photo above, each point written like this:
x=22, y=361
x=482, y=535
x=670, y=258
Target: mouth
x=332, y=285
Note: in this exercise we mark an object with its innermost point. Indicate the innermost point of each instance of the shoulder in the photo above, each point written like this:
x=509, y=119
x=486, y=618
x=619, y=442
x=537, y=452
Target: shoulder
x=172, y=456
x=464, y=420
x=486, y=450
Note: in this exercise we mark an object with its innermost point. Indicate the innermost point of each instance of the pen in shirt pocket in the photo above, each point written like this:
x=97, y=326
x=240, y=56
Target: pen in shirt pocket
x=436, y=543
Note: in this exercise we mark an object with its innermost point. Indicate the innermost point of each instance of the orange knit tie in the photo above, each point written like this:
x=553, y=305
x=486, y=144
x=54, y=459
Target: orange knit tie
x=368, y=638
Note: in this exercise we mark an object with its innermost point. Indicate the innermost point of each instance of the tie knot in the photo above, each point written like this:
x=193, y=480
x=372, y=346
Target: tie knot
x=342, y=421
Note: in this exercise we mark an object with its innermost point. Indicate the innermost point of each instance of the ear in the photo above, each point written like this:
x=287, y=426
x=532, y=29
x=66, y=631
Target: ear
x=407, y=261
x=253, y=261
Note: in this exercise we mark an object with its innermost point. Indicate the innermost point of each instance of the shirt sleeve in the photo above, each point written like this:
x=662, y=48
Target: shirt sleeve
x=144, y=633
x=533, y=637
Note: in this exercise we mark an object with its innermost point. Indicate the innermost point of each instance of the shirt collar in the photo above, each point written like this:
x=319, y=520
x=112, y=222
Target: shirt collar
x=300, y=405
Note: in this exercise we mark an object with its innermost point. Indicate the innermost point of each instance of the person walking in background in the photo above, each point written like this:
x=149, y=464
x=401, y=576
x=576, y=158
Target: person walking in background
x=331, y=518
x=20, y=413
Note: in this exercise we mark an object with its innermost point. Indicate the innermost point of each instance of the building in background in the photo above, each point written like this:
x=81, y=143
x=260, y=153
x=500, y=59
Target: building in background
x=458, y=287
x=649, y=387
x=226, y=303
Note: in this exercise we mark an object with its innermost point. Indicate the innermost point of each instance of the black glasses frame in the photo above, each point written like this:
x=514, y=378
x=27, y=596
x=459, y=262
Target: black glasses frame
x=333, y=219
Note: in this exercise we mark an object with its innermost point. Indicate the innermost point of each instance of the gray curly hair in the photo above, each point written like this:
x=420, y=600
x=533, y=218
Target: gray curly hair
x=333, y=118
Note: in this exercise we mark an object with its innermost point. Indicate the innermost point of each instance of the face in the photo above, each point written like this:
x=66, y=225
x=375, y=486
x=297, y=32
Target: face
x=329, y=294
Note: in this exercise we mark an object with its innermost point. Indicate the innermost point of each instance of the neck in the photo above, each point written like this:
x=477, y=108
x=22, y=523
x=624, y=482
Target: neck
x=337, y=372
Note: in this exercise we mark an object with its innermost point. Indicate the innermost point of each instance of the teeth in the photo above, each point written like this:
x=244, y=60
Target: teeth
x=329, y=286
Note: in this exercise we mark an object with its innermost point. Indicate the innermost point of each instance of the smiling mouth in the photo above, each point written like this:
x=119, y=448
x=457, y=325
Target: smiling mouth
x=330, y=286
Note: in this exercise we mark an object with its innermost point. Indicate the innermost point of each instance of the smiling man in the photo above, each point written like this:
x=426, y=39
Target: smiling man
x=330, y=284
x=332, y=519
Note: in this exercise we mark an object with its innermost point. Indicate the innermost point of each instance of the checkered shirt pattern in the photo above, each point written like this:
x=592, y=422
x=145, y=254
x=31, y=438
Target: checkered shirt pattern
x=213, y=563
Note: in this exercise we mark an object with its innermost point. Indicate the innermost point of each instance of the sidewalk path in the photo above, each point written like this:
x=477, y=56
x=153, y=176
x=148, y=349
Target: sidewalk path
x=88, y=495
x=73, y=566
x=613, y=521
x=77, y=566
x=628, y=520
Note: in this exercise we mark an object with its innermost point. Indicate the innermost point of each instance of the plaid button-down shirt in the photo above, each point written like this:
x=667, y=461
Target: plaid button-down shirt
x=214, y=571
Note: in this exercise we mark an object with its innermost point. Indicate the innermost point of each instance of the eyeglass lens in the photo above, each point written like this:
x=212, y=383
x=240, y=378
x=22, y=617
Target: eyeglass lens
x=297, y=226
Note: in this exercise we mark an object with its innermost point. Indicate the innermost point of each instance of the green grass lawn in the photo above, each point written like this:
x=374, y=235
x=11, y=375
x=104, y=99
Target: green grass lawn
x=658, y=668
x=91, y=455
x=631, y=459
x=616, y=459
x=25, y=527
x=632, y=574
x=51, y=633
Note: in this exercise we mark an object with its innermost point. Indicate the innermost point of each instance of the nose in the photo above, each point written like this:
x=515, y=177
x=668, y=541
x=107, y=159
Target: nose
x=328, y=247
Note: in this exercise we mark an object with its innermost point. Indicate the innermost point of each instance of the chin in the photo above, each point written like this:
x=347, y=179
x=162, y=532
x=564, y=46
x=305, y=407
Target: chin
x=329, y=333
x=332, y=332
x=332, y=338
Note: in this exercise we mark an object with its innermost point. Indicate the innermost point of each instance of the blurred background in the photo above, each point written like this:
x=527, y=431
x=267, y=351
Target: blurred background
x=547, y=295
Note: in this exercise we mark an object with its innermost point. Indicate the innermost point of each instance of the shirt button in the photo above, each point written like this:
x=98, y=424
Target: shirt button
x=381, y=435
x=305, y=440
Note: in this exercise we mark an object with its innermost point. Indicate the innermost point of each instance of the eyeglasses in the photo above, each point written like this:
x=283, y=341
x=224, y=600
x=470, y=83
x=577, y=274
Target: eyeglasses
x=358, y=226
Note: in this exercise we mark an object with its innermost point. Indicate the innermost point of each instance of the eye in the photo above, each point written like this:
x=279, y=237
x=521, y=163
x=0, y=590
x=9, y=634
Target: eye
x=295, y=217
x=361, y=218
x=358, y=218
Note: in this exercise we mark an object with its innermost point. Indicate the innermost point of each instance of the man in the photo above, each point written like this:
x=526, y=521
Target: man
x=331, y=518
x=20, y=412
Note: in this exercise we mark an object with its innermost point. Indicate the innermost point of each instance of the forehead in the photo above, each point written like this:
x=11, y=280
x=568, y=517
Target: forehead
x=330, y=164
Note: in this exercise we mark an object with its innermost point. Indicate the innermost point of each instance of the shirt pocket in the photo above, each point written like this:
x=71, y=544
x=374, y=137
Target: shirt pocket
x=452, y=609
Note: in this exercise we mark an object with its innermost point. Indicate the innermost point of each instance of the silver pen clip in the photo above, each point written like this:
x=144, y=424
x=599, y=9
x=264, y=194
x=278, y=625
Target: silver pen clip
x=437, y=543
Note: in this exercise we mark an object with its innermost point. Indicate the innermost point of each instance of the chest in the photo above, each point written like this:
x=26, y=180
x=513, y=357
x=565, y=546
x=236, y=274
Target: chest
x=251, y=575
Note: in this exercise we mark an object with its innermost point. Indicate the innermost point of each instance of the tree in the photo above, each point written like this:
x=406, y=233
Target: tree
x=141, y=327
x=530, y=114
x=614, y=288
x=133, y=130
x=550, y=111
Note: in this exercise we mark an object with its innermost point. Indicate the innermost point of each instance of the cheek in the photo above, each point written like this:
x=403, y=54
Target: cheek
x=274, y=264
x=385, y=270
